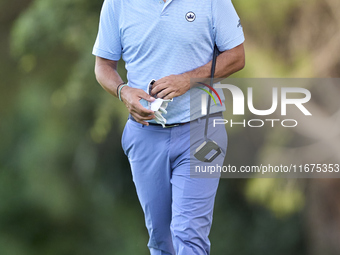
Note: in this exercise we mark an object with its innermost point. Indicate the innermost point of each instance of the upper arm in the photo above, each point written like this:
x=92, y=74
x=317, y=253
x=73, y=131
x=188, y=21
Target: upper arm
x=108, y=42
x=226, y=25
x=236, y=52
x=102, y=65
x=106, y=62
x=234, y=59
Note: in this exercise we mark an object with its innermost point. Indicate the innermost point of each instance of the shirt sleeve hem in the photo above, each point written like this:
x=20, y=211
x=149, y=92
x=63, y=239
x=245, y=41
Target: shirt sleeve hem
x=232, y=44
x=104, y=54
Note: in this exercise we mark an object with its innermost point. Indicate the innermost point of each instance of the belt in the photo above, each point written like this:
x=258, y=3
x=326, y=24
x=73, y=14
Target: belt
x=166, y=125
x=217, y=114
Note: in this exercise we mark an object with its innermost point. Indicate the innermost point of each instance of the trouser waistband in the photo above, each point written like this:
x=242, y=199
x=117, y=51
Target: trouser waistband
x=217, y=114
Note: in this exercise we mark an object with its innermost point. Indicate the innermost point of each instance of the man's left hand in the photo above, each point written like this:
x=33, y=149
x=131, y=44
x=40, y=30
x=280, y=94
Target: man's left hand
x=171, y=86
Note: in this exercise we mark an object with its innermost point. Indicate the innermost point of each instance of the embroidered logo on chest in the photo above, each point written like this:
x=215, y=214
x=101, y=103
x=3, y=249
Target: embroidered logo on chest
x=190, y=16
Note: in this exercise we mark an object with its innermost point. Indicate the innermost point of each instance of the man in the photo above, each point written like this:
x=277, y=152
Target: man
x=170, y=41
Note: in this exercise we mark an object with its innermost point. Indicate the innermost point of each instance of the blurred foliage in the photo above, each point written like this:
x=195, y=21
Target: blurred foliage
x=65, y=184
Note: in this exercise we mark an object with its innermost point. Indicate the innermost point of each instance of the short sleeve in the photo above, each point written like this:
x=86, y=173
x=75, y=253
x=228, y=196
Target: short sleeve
x=108, y=43
x=226, y=24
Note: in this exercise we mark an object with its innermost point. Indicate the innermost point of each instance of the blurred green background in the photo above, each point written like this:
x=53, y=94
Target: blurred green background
x=65, y=184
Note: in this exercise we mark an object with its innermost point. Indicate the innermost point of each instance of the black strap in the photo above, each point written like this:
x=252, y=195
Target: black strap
x=213, y=65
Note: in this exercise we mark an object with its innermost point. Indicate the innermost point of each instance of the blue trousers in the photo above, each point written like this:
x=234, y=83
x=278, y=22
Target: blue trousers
x=178, y=209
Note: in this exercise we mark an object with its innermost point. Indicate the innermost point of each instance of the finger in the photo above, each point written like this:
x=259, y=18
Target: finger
x=142, y=122
x=155, y=90
x=146, y=96
x=164, y=93
x=142, y=119
x=170, y=95
x=159, y=82
x=141, y=110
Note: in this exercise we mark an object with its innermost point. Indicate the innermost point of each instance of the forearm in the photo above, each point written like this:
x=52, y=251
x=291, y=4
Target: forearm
x=107, y=75
x=227, y=63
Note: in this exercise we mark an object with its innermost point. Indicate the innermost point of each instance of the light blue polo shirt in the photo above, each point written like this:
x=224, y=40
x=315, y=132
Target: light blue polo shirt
x=157, y=39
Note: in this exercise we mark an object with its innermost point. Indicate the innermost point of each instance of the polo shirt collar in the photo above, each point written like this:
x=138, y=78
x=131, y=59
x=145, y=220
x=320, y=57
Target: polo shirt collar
x=166, y=4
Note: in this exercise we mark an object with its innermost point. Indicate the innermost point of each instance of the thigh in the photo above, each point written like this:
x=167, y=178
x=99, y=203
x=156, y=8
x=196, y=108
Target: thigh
x=146, y=148
x=193, y=196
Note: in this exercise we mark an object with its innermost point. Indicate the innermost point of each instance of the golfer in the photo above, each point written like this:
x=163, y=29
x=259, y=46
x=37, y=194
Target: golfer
x=170, y=41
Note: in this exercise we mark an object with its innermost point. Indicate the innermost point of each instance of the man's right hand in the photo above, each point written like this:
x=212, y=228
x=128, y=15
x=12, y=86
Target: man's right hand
x=130, y=97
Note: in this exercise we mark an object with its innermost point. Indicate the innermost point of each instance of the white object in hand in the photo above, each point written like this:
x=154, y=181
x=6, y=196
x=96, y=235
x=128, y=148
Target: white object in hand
x=159, y=107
